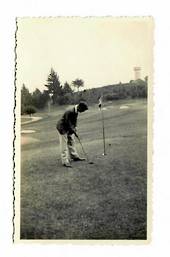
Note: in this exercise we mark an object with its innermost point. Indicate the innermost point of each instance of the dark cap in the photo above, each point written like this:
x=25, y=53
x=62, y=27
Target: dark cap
x=82, y=106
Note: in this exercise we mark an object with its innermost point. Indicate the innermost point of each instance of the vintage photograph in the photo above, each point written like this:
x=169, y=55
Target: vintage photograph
x=83, y=128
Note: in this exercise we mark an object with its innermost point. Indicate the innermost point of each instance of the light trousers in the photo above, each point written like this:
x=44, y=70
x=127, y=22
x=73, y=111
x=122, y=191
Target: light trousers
x=67, y=148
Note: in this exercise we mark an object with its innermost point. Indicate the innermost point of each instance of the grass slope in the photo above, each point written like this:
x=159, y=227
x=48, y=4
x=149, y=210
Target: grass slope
x=106, y=200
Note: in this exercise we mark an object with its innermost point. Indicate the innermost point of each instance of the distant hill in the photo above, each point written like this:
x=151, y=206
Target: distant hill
x=40, y=100
x=133, y=89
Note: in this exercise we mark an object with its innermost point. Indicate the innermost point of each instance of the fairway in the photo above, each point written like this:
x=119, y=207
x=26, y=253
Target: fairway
x=106, y=200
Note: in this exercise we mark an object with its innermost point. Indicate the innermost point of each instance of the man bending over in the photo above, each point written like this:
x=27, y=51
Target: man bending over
x=66, y=128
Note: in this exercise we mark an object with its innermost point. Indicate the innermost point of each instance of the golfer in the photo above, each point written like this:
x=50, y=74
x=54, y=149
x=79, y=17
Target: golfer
x=66, y=128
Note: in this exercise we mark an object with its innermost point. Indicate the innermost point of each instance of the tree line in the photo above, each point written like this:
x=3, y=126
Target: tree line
x=55, y=93
x=58, y=94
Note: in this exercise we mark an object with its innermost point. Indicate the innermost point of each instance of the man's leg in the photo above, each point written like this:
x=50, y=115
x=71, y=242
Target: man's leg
x=64, y=150
x=72, y=149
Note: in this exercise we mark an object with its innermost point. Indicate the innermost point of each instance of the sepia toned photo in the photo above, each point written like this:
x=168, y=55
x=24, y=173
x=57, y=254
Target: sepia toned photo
x=83, y=129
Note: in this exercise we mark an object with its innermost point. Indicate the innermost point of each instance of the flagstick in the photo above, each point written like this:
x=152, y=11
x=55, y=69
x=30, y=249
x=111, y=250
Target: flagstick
x=104, y=146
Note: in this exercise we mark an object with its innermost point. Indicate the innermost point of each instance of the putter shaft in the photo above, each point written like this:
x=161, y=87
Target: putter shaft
x=83, y=148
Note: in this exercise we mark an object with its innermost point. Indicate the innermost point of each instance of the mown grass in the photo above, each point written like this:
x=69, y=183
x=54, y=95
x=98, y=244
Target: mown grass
x=106, y=200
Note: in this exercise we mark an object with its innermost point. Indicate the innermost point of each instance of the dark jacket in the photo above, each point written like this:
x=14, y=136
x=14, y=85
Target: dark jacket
x=68, y=122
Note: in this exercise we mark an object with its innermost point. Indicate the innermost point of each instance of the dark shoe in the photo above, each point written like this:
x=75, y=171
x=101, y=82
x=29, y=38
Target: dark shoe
x=67, y=165
x=76, y=159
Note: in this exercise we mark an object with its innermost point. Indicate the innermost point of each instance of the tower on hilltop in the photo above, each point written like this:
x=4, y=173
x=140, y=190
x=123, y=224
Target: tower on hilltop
x=137, y=72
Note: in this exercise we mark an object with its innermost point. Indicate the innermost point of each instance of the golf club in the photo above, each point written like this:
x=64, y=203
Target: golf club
x=85, y=154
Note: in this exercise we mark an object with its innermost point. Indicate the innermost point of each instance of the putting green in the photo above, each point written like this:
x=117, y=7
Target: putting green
x=106, y=200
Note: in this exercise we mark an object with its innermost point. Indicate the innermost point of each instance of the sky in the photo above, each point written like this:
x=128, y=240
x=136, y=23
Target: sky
x=101, y=51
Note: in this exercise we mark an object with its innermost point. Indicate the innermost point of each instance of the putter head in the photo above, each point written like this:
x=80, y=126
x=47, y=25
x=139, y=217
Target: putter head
x=103, y=154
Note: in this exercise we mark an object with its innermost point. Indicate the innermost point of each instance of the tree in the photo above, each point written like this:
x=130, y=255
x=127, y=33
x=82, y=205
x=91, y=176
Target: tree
x=39, y=99
x=146, y=79
x=36, y=98
x=67, y=89
x=26, y=98
x=78, y=83
x=30, y=110
x=44, y=98
x=54, y=86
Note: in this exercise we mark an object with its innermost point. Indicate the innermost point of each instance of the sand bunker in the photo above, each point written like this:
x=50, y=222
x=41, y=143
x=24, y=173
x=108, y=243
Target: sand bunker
x=124, y=107
x=28, y=140
x=33, y=119
x=28, y=131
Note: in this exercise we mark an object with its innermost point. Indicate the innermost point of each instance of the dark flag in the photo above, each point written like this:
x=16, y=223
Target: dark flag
x=100, y=102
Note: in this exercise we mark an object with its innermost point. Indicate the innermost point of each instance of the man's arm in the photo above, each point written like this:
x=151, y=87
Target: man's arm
x=71, y=129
